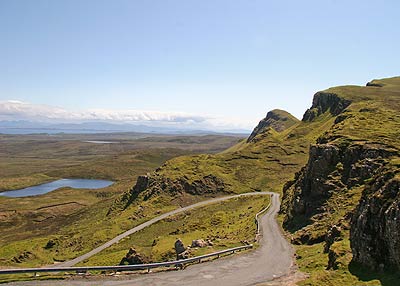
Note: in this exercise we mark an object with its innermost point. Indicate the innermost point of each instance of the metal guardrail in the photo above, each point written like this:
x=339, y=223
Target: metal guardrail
x=124, y=267
x=257, y=220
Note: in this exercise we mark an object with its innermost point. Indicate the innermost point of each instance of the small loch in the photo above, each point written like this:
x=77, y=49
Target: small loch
x=48, y=187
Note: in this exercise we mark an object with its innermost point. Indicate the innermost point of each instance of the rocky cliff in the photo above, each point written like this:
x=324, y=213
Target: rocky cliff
x=324, y=101
x=332, y=169
x=375, y=225
x=349, y=188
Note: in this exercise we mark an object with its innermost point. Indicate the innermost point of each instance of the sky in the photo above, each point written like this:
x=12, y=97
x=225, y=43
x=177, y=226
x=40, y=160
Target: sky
x=224, y=63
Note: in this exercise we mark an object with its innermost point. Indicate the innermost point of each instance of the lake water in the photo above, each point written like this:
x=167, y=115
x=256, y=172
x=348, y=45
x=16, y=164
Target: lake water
x=101, y=142
x=48, y=187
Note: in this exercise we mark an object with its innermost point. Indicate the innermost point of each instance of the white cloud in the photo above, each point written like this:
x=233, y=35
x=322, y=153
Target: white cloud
x=17, y=110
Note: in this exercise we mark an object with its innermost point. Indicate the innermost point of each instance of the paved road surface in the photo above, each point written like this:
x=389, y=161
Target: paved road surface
x=272, y=259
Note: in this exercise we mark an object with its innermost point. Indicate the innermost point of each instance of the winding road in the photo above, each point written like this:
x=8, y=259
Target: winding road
x=274, y=258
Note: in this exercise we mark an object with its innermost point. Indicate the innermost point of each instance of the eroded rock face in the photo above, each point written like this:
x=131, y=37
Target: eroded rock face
x=331, y=168
x=323, y=102
x=375, y=226
x=154, y=184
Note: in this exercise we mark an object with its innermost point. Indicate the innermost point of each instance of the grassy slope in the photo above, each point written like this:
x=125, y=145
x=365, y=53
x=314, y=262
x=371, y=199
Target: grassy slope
x=273, y=159
x=262, y=165
x=230, y=223
x=373, y=117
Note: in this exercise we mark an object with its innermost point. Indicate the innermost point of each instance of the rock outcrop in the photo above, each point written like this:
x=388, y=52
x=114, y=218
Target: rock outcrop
x=133, y=258
x=201, y=243
x=375, y=227
x=324, y=101
x=24, y=256
x=181, y=251
x=276, y=119
x=154, y=184
x=331, y=168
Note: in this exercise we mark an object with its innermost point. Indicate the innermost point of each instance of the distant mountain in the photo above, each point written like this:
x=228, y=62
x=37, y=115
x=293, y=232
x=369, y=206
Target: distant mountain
x=16, y=116
x=29, y=127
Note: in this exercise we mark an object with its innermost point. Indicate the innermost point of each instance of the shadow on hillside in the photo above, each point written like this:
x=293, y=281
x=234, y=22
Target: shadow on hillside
x=364, y=274
x=297, y=223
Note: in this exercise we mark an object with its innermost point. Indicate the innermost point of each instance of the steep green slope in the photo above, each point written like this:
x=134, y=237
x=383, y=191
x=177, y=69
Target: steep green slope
x=342, y=207
x=264, y=163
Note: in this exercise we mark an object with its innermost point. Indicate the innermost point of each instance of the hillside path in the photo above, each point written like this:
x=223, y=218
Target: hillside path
x=274, y=258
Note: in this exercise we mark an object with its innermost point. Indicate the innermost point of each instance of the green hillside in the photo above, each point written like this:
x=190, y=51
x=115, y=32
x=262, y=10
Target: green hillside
x=354, y=136
x=338, y=170
x=342, y=207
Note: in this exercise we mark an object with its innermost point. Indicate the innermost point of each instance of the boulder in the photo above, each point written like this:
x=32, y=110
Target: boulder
x=132, y=258
x=179, y=246
x=199, y=243
x=332, y=235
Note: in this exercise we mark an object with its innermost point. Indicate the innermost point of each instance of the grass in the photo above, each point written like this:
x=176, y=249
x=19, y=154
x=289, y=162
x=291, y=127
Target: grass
x=226, y=224
x=373, y=120
x=312, y=260
x=266, y=164
x=77, y=220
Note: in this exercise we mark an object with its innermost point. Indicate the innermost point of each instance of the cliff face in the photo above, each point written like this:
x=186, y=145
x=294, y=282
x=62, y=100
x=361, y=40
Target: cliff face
x=331, y=170
x=375, y=225
x=349, y=188
x=278, y=120
x=324, y=101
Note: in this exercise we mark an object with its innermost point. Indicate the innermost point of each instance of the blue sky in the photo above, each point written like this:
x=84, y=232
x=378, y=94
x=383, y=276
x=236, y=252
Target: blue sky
x=229, y=59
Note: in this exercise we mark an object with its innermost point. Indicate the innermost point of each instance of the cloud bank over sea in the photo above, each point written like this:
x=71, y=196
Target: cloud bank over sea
x=14, y=110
